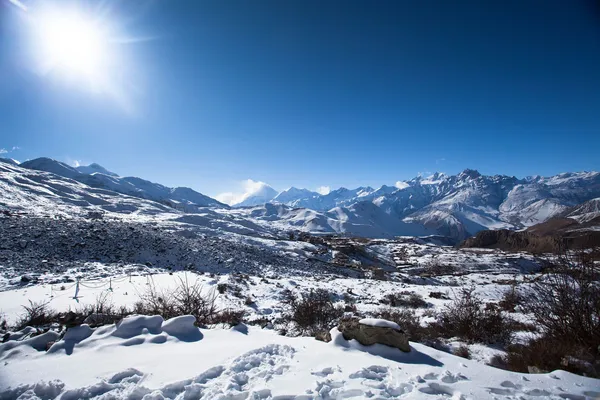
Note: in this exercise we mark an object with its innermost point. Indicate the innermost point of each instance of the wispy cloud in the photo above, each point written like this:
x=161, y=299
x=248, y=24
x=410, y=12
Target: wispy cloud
x=323, y=190
x=440, y=160
x=5, y=151
x=247, y=189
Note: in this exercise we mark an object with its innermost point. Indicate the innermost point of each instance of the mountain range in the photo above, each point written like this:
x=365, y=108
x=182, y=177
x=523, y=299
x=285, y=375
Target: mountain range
x=455, y=206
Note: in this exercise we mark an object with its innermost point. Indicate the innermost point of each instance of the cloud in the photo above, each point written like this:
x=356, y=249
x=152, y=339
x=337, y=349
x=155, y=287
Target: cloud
x=227, y=198
x=5, y=151
x=440, y=160
x=323, y=190
x=247, y=187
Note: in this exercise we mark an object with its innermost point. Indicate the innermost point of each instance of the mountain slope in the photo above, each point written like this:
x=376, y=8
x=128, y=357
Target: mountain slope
x=461, y=205
x=43, y=193
x=456, y=206
x=94, y=168
x=261, y=195
x=182, y=198
x=292, y=194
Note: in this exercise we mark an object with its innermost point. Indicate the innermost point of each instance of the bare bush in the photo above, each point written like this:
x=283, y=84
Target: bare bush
x=547, y=354
x=566, y=301
x=469, y=319
x=511, y=298
x=37, y=314
x=312, y=312
x=221, y=288
x=439, y=295
x=229, y=317
x=186, y=299
x=565, y=304
x=462, y=351
x=405, y=299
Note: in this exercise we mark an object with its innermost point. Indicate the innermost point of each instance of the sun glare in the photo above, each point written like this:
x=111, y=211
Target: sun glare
x=72, y=43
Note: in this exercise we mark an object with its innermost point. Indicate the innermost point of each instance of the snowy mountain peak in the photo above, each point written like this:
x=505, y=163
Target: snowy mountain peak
x=50, y=165
x=181, y=198
x=469, y=174
x=292, y=194
x=10, y=161
x=261, y=193
x=94, y=168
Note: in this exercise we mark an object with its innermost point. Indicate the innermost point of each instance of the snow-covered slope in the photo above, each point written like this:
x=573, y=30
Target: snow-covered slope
x=96, y=176
x=289, y=196
x=94, y=168
x=585, y=212
x=148, y=357
x=461, y=205
x=456, y=206
x=43, y=193
x=261, y=195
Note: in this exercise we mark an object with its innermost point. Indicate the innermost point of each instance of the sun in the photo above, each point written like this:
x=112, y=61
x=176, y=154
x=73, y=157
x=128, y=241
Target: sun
x=72, y=43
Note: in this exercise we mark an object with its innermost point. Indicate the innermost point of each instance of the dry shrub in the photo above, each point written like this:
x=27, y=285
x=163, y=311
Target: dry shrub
x=37, y=314
x=439, y=295
x=565, y=304
x=312, y=312
x=229, y=317
x=462, y=351
x=469, y=319
x=405, y=299
x=511, y=298
x=547, y=354
x=186, y=299
x=566, y=301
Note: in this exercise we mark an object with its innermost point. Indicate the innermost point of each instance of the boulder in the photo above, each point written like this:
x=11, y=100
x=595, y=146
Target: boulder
x=369, y=332
x=99, y=319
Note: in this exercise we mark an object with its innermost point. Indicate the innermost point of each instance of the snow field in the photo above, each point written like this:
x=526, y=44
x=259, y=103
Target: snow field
x=146, y=357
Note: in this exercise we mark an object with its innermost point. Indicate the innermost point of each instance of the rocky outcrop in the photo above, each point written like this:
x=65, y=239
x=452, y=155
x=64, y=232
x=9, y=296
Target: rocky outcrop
x=368, y=334
x=552, y=236
x=507, y=240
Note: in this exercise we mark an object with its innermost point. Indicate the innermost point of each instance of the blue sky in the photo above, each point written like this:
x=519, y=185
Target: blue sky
x=312, y=93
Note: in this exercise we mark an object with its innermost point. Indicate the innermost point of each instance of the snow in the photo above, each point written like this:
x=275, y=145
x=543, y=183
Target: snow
x=455, y=206
x=382, y=323
x=50, y=242
x=259, y=364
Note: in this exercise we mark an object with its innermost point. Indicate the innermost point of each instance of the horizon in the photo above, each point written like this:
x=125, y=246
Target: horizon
x=252, y=187
x=317, y=96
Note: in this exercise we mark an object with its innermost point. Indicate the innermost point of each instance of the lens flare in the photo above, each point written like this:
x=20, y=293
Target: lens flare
x=73, y=43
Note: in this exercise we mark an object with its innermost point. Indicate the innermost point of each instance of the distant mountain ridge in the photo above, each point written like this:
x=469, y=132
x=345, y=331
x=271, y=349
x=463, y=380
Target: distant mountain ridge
x=460, y=205
x=455, y=206
x=96, y=176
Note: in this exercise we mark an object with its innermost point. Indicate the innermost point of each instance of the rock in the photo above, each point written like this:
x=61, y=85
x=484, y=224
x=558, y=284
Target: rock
x=99, y=319
x=535, y=370
x=368, y=335
x=324, y=336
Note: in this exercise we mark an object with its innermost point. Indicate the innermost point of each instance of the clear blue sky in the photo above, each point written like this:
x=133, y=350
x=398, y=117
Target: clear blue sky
x=311, y=93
